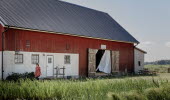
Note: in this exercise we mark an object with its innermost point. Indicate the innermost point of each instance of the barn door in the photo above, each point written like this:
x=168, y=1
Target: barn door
x=91, y=62
x=115, y=61
x=50, y=66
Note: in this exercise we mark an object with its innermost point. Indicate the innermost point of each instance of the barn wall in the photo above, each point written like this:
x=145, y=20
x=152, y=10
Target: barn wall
x=139, y=56
x=27, y=66
x=55, y=43
x=1, y=30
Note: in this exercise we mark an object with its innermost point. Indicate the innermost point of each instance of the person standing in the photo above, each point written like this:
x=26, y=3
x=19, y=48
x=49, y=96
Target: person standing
x=37, y=71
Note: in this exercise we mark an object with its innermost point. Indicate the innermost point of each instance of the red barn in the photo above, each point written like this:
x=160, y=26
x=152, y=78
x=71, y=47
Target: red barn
x=54, y=34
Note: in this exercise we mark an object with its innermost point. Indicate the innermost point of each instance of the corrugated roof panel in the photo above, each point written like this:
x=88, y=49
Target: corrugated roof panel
x=59, y=16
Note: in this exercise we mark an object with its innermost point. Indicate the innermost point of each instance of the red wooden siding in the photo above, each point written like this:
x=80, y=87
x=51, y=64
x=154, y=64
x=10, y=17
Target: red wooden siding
x=1, y=30
x=47, y=42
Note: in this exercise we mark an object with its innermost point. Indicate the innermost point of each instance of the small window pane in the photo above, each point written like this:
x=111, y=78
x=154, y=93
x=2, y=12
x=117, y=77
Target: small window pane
x=18, y=58
x=35, y=58
x=67, y=59
x=49, y=60
x=27, y=43
x=139, y=63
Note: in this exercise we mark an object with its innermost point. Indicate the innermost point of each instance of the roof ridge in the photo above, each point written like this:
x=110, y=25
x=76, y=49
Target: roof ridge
x=81, y=6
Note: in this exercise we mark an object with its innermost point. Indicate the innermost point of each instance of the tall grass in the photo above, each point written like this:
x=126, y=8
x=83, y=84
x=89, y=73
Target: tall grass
x=91, y=89
x=158, y=68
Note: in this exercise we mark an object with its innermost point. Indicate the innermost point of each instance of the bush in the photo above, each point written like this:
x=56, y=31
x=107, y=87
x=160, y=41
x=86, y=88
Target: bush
x=134, y=96
x=113, y=96
x=17, y=76
x=166, y=92
x=154, y=94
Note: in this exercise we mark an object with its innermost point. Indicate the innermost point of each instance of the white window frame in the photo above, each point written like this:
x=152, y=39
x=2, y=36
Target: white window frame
x=19, y=60
x=67, y=59
x=36, y=59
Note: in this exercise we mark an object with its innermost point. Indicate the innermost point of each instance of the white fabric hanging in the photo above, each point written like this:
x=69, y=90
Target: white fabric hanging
x=105, y=63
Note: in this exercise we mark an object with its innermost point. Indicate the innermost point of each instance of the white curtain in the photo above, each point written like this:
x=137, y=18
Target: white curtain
x=105, y=63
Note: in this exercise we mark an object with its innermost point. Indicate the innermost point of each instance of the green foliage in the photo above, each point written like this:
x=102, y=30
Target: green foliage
x=154, y=94
x=166, y=92
x=159, y=62
x=134, y=96
x=158, y=68
x=113, y=96
x=17, y=76
x=88, y=89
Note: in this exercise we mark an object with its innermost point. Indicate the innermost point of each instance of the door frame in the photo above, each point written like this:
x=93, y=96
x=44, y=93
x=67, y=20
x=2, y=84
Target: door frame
x=53, y=65
x=111, y=58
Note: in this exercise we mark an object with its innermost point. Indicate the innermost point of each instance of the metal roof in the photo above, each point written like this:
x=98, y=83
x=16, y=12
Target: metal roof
x=140, y=50
x=60, y=16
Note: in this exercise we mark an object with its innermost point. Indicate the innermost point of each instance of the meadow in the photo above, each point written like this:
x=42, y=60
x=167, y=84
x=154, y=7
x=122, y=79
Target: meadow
x=158, y=68
x=122, y=88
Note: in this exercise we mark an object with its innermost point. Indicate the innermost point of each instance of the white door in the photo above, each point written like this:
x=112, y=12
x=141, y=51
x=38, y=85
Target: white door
x=50, y=65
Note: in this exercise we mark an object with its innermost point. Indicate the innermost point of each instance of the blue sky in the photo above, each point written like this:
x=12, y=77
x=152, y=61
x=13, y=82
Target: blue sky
x=147, y=20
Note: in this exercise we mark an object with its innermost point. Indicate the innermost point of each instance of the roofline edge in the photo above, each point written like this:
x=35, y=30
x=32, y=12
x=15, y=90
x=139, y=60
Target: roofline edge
x=36, y=30
x=3, y=22
x=140, y=50
x=123, y=28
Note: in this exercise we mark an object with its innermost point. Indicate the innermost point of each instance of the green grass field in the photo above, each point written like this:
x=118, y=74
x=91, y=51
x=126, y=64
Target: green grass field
x=123, y=88
x=88, y=89
x=158, y=68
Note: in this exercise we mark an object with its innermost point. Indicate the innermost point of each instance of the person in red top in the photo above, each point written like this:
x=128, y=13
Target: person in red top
x=37, y=71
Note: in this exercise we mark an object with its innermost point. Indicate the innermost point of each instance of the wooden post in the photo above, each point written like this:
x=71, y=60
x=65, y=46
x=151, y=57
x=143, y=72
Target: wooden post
x=91, y=62
x=63, y=71
x=115, y=61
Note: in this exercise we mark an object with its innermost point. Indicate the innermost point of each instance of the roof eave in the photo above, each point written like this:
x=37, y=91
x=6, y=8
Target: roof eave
x=141, y=50
x=36, y=30
x=3, y=22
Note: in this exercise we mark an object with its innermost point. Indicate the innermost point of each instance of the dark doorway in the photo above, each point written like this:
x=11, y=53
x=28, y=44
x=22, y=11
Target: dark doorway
x=139, y=63
x=99, y=55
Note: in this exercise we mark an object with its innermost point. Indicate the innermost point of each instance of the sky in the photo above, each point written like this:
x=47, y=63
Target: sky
x=147, y=20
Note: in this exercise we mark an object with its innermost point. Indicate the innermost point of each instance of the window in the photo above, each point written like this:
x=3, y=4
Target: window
x=67, y=46
x=67, y=59
x=103, y=46
x=139, y=63
x=18, y=58
x=35, y=58
x=27, y=43
x=49, y=60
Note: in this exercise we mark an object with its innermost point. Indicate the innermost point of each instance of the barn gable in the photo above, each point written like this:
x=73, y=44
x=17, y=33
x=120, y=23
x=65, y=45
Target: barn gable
x=59, y=16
